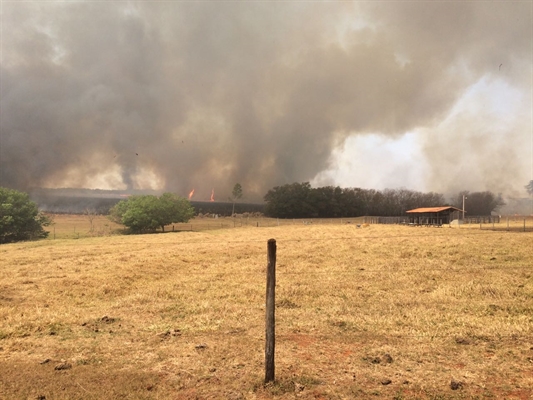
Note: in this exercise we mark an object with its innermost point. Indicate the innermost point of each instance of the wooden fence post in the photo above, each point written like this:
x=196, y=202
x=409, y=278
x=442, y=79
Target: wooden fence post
x=270, y=312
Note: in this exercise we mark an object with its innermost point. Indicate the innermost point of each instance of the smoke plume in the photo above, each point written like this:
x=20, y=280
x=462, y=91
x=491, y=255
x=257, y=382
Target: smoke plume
x=183, y=95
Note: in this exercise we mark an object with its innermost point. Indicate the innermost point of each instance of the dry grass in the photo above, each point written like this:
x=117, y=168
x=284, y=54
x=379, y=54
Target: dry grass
x=181, y=315
x=80, y=226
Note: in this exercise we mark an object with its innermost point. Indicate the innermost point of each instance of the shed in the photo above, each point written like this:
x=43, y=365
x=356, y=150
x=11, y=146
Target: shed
x=433, y=215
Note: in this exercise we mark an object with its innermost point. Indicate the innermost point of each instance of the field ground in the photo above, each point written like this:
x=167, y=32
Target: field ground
x=373, y=312
x=82, y=226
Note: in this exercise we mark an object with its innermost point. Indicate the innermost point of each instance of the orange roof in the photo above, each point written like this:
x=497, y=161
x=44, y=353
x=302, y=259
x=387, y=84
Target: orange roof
x=433, y=209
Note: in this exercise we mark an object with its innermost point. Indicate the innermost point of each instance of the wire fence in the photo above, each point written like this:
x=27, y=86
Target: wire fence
x=509, y=224
x=514, y=224
x=82, y=228
x=206, y=224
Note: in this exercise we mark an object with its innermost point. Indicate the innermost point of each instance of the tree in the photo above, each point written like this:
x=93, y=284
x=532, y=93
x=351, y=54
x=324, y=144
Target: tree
x=91, y=215
x=20, y=219
x=174, y=208
x=479, y=203
x=290, y=201
x=529, y=187
x=147, y=213
x=236, y=194
x=300, y=200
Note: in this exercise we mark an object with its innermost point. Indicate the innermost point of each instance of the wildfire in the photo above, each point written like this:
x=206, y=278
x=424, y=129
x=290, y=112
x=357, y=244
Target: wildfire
x=191, y=194
x=213, y=195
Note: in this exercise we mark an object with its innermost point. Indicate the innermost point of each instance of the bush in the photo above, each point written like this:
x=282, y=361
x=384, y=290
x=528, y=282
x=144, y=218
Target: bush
x=20, y=219
x=147, y=213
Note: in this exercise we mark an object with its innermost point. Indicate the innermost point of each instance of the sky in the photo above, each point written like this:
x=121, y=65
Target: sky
x=174, y=96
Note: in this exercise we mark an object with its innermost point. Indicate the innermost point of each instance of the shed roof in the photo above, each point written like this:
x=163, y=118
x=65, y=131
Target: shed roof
x=433, y=209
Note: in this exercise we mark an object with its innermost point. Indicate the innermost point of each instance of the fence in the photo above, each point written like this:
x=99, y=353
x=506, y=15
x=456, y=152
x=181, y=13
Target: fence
x=386, y=220
x=79, y=226
x=484, y=222
x=508, y=224
x=482, y=219
x=516, y=224
x=206, y=224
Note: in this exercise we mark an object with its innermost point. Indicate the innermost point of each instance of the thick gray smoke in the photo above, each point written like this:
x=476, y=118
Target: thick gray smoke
x=205, y=95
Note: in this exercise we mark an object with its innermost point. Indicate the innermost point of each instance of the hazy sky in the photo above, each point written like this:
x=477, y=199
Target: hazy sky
x=180, y=95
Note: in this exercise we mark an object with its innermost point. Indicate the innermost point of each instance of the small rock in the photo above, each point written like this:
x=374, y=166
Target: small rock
x=298, y=387
x=63, y=366
x=462, y=340
x=406, y=382
x=45, y=361
x=387, y=358
x=376, y=360
x=492, y=258
x=107, y=319
x=212, y=370
x=386, y=382
x=201, y=346
x=455, y=385
x=40, y=397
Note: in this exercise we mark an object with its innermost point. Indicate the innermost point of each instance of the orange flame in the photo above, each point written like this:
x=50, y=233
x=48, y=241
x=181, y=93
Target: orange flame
x=213, y=195
x=190, y=194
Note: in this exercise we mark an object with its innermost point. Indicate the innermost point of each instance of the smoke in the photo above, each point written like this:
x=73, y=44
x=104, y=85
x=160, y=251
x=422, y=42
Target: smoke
x=183, y=95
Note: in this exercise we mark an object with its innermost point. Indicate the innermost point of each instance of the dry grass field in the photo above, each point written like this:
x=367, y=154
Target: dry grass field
x=374, y=312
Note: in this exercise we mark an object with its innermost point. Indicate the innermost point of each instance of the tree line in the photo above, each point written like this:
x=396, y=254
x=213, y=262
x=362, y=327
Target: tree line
x=300, y=200
x=21, y=219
